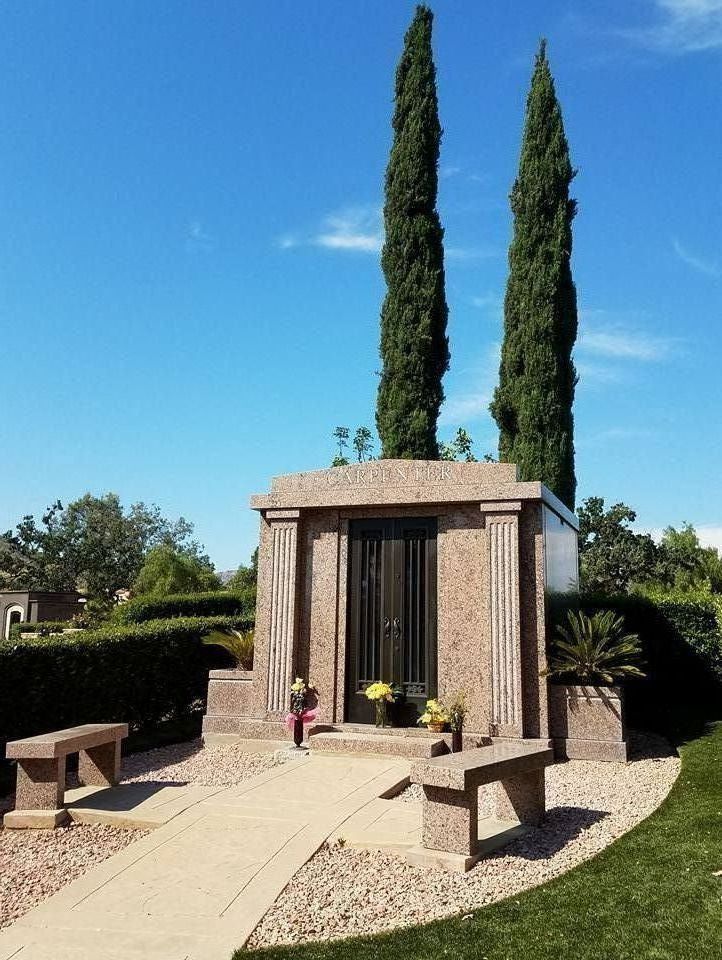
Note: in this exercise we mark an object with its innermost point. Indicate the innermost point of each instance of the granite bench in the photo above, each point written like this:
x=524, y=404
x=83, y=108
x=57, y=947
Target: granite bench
x=450, y=812
x=41, y=769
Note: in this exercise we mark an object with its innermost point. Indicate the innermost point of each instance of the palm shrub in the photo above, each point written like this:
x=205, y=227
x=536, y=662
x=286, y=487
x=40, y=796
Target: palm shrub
x=239, y=643
x=594, y=649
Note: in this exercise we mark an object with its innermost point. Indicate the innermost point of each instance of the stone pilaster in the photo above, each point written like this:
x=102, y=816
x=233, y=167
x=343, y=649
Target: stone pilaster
x=505, y=623
x=282, y=633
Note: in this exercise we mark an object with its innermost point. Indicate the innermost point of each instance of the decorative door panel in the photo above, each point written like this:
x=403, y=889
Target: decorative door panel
x=392, y=613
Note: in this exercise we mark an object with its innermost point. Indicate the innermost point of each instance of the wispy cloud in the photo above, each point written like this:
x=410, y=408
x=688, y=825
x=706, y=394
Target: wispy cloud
x=710, y=536
x=449, y=171
x=697, y=263
x=197, y=238
x=356, y=228
x=603, y=335
x=465, y=406
x=491, y=303
x=682, y=26
x=471, y=253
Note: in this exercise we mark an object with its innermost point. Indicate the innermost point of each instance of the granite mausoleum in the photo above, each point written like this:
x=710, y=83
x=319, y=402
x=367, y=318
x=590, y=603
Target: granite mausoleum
x=429, y=574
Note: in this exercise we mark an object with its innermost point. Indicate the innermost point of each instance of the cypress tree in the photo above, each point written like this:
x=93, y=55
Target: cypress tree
x=533, y=402
x=414, y=345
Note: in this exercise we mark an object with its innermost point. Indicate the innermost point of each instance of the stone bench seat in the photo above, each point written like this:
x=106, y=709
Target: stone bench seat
x=451, y=797
x=41, y=764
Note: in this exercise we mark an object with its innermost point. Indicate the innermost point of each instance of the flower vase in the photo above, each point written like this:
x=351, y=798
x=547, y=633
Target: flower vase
x=298, y=731
x=456, y=741
x=380, y=713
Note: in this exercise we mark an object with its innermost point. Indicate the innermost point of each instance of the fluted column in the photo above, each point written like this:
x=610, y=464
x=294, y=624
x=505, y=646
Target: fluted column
x=505, y=624
x=284, y=545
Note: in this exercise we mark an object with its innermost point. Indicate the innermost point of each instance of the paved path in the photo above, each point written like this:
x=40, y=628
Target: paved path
x=195, y=888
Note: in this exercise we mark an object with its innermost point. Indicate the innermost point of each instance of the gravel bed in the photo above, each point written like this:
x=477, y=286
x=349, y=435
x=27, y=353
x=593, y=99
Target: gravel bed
x=34, y=864
x=589, y=804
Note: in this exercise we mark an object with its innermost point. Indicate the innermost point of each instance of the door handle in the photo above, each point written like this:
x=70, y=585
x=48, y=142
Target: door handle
x=387, y=628
x=397, y=630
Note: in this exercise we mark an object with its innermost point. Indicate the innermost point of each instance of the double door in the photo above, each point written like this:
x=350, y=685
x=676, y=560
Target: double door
x=391, y=630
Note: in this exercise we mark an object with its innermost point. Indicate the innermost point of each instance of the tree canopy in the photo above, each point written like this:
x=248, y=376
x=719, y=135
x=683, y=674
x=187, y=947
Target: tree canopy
x=93, y=545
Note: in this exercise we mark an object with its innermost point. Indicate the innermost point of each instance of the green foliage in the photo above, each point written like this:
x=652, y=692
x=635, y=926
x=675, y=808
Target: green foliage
x=166, y=571
x=239, y=643
x=141, y=673
x=214, y=603
x=42, y=629
x=613, y=558
x=92, y=545
x=363, y=444
x=611, y=554
x=245, y=582
x=681, y=648
x=460, y=448
x=594, y=649
x=414, y=345
x=533, y=402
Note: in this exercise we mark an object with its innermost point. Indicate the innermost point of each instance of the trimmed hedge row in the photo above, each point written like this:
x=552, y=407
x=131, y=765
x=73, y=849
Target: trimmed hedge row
x=141, y=673
x=42, y=627
x=210, y=604
x=682, y=650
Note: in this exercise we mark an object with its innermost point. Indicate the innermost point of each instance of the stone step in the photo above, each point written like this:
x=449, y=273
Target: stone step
x=376, y=743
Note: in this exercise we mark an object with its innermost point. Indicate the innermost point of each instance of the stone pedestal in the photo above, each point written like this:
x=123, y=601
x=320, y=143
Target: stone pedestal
x=521, y=798
x=450, y=820
x=39, y=794
x=100, y=765
x=587, y=723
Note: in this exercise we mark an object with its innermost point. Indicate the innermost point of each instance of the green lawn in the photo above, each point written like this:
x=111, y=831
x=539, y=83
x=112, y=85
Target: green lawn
x=652, y=895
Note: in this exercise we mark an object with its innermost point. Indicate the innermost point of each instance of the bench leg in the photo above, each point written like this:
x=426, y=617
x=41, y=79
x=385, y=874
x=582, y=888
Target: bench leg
x=39, y=795
x=100, y=765
x=450, y=820
x=521, y=798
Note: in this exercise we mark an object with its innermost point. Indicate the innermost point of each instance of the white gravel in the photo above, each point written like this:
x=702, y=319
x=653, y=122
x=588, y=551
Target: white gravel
x=345, y=891
x=34, y=864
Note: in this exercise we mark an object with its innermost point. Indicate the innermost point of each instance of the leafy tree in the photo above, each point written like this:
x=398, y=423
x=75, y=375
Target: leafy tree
x=92, y=545
x=414, y=345
x=460, y=448
x=341, y=435
x=532, y=404
x=167, y=570
x=685, y=565
x=363, y=444
x=245, y=577
x=612, y=556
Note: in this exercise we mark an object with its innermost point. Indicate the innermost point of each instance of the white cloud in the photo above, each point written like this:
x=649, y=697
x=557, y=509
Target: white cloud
x=709, y=536
x=464, y=409
x=355, y=228
x=697, y=263
x=449, y=171
x=682, y=26
x=287, y=241
x=490, y=303
x=603, y=335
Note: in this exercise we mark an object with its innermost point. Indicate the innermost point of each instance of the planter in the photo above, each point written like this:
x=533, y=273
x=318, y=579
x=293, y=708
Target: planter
x=456, y=741
x=435, y=727
x=587, y=723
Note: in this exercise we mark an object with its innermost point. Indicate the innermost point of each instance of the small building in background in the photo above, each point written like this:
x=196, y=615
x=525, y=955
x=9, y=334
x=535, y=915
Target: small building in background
x=34, y=606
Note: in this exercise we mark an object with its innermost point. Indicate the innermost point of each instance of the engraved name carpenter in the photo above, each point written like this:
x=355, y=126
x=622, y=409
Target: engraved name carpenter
x=370, y=475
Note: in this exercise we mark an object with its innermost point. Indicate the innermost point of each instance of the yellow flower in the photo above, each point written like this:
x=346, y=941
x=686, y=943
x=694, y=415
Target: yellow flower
x=379, y=691
x=298, y=686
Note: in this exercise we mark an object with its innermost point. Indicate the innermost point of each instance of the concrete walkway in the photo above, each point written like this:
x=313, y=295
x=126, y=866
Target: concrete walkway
x=195, y=888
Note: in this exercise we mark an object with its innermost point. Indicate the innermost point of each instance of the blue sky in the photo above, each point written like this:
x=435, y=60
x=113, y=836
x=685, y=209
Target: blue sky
x=189, y=241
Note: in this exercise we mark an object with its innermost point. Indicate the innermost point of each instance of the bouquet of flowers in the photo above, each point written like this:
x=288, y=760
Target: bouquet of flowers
x=304, y=708
x=380, y=693
x=435, y=716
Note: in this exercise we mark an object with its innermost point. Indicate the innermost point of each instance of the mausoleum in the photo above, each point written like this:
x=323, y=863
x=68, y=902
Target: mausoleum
x=428, y=574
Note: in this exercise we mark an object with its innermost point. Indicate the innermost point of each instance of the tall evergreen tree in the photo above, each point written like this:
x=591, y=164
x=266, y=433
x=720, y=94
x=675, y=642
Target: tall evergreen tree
x=414, y=345
x=533, y=402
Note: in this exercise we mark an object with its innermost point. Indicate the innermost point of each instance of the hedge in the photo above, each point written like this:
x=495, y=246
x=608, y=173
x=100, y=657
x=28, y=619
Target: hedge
x=141, y=673
x=43, y=626
x=682, y=649
x=210, y=604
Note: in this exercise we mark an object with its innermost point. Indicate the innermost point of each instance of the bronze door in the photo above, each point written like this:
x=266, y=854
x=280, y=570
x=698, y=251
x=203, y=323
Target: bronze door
x=391, y=629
